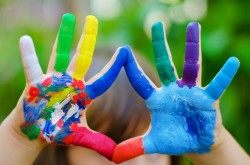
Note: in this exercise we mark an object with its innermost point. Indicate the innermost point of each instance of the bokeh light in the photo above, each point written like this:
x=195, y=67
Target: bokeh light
x=106, y=9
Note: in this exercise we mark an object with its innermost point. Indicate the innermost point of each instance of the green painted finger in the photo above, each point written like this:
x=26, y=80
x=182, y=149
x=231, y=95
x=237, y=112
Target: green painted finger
x=64, y=42
x=161, y=54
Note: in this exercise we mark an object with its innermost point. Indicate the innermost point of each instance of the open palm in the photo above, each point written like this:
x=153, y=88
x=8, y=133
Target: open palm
x=54, y=104
x=183, y=121
x=183, y=114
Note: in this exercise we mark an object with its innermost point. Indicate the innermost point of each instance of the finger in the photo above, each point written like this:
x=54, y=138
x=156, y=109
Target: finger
x=64, y=42
x=52, y=57
x=163, y=58
x=221, y=81
x=104, y=79
x=85, y=137
x=82, y=61
x=128, y=149
x=31, y=65
x=192, y=56
x=138, y=79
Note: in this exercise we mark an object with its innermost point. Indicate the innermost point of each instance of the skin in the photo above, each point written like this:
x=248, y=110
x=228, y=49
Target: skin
x=52, y=96
x=77, y=155
x=18, y=144
x=185, y=116
x=27, y=126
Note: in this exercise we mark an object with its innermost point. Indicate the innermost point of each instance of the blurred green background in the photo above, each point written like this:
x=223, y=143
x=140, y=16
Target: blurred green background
x=225, y=32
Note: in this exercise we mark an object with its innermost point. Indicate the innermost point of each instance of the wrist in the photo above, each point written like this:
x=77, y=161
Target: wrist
x=16, y=148
x=227, y=151
x=220, y=137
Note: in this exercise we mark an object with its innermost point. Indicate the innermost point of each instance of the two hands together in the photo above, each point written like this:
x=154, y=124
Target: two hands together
x=185, y=117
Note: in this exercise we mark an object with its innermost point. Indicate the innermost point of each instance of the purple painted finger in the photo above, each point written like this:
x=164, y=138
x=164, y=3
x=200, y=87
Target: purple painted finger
x=191, y=64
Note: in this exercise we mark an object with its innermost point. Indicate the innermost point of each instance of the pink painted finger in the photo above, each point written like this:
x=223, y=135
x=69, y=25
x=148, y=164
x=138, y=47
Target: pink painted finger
x=128, y=149
x=85, y=137
x=31, y=65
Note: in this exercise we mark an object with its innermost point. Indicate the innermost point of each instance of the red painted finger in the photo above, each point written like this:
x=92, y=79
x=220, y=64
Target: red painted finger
x=85, y=137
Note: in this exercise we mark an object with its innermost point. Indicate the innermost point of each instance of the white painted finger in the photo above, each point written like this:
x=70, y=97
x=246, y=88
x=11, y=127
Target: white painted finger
x=31, y=65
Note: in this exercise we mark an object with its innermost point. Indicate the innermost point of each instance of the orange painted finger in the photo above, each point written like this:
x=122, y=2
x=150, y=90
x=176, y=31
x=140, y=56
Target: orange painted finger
x=128, y=149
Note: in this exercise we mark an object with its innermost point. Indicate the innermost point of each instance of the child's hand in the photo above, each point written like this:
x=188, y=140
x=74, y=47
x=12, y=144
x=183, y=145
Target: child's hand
x=53, y=106
x=185, y=116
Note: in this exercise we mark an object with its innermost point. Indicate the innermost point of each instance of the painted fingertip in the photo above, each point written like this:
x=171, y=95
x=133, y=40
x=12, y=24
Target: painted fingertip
x=25, y=39
x=158, y=31
x=68, y=23
x=124, y=50
x=91, y=25
x=158, y=25
x=127, y=51
x=193, y=30
x=232, y=65
x=26, y=45
x=91, y=18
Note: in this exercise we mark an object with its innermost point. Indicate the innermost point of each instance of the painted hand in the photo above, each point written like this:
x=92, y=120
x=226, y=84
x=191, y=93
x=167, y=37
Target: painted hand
x=54, y=105
x=183, y=113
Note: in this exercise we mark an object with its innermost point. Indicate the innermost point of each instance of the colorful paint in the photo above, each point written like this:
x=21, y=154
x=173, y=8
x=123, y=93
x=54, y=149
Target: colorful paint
x=183, y=115
x=53, y=104
x=52, y=112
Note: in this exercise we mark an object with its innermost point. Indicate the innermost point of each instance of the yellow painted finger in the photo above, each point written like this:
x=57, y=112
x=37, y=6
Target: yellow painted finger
x=86, y=47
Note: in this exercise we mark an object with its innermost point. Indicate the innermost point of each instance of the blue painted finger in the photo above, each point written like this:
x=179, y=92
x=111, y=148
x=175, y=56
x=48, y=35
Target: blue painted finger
x=104, y=79
x=221, y=81
x=191, y=64
x=140, y=82
x=162, y=54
